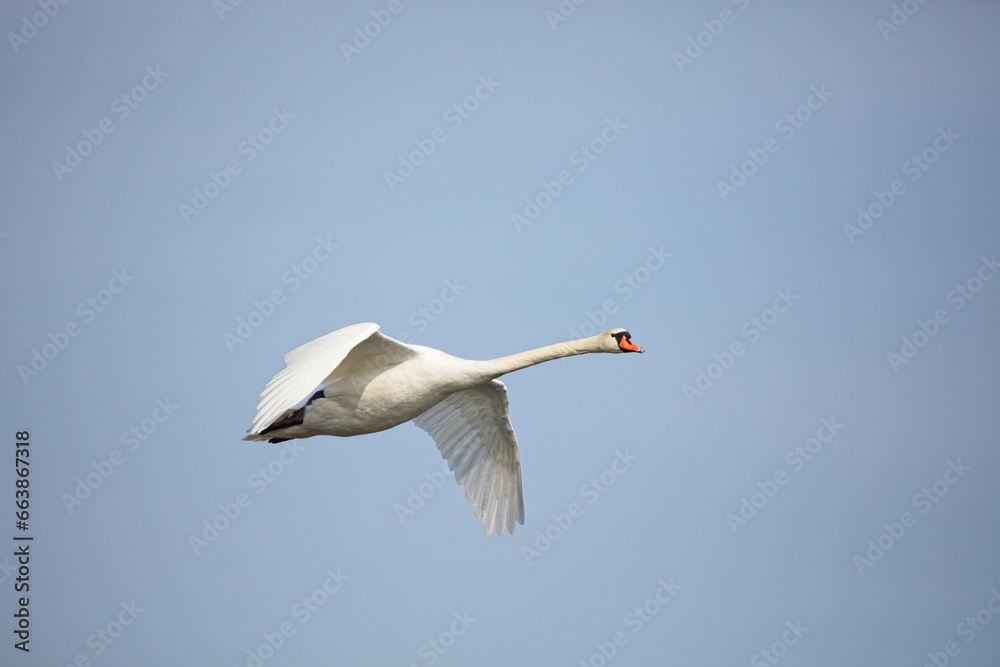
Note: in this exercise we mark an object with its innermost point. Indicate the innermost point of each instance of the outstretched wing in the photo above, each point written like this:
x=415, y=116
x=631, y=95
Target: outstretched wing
x=473, y=433
x=317, y=362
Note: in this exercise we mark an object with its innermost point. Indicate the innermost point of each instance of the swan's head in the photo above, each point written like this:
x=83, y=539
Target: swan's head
x=620, y=340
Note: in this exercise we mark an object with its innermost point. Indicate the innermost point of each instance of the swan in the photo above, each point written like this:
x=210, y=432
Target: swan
x=370, y=382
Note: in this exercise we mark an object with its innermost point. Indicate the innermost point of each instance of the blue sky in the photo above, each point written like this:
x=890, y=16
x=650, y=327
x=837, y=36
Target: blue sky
x=791, y=206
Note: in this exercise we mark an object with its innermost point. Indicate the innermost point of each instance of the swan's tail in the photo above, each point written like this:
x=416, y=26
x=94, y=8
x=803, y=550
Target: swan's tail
x=271, y=439
x=290, y=419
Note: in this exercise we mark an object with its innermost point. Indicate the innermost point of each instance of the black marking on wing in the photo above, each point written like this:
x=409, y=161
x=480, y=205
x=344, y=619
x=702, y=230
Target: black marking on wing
x=291, y=418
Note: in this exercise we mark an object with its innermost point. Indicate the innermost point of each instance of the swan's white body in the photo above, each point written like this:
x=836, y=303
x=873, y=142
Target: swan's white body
x=370, y=382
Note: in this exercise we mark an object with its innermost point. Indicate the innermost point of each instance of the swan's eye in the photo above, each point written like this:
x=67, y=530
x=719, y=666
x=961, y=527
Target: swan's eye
x=625, y=344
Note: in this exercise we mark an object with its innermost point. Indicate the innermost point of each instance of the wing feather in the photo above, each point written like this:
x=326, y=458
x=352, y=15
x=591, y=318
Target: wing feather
x=473, y=433
x=318, y=362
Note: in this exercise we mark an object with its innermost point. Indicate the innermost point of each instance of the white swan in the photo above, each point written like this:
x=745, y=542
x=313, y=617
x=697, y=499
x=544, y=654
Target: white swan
x=370, y=382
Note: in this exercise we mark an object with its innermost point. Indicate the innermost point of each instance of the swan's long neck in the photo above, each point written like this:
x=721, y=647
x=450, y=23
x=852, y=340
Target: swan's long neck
x=494, y=368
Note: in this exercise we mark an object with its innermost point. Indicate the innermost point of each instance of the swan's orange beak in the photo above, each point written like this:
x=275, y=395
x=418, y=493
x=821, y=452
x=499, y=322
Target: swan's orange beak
x=626, y=345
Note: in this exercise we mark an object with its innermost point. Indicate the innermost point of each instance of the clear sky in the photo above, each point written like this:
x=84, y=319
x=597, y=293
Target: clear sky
x=791, y=206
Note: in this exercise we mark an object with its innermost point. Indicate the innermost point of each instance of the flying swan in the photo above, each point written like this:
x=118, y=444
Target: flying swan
x=370, y=382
